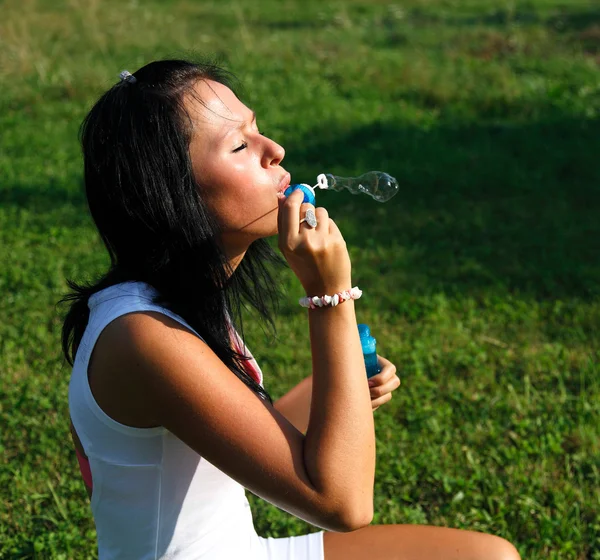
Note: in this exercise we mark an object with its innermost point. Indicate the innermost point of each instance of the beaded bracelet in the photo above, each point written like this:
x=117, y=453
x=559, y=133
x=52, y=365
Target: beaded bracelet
x=330, y=301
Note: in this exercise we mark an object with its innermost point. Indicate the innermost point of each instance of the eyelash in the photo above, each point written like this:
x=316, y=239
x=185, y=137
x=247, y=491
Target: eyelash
x=245, y=144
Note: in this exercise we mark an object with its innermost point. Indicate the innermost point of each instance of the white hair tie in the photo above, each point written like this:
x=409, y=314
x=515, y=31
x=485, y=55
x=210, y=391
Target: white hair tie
x=127, y=77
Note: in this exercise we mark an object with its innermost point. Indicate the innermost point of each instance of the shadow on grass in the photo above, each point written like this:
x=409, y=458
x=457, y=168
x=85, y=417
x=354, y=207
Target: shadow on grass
x=562, y=19
x=49, y=204
x=508, y=208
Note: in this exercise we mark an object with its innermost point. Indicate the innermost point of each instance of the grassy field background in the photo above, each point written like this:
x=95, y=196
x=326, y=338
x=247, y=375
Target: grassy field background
x=481, y=278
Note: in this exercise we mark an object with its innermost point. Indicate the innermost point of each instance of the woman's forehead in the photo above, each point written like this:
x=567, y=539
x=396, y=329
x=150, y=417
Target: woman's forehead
x=212, y=103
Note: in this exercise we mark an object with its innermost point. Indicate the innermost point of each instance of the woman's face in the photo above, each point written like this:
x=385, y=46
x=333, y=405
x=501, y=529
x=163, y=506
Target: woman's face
x=238, y=169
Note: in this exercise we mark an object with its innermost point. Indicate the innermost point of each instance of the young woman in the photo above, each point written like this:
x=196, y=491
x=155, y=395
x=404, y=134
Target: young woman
x=170, y=418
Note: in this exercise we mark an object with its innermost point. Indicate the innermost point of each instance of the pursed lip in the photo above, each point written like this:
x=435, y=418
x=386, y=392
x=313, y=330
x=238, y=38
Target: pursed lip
x=284, y=183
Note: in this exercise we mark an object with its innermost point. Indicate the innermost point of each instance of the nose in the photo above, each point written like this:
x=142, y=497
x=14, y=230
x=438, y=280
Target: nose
x=273, y=153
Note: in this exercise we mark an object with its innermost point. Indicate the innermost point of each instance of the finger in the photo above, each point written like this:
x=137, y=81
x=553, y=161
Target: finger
x=382, y=400
x=386, y=388
x=387, y=373
x=304, y=208
x=322, y=219
x=289, y=212
x=384, y=362
x=380, y=378
x=385, y=365
x=382, y=359
x=333, y=229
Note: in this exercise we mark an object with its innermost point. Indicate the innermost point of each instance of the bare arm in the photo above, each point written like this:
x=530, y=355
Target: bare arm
x=295, y=404
x=339, y=449
x=339, y=446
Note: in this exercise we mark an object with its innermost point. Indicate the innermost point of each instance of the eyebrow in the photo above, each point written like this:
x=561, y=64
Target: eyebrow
x=242, y=124
x=239, y=127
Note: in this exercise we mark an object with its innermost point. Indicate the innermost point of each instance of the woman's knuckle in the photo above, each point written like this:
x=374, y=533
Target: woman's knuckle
x=317, y=247
x=338, y=243
x=302, y=247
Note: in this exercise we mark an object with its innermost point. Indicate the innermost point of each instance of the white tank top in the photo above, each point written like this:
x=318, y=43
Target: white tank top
x=153, y=496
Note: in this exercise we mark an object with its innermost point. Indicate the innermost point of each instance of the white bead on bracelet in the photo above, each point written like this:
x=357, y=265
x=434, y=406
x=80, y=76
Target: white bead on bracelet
x=330, y=301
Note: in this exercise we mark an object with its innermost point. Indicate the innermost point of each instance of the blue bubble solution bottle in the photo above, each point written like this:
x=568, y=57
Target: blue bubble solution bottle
x=369, y=348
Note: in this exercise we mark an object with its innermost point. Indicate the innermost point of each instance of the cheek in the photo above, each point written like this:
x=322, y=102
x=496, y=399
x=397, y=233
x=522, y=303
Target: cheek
x=233, y=190
x=230, y=174
x=231, y=203
x=237, y=166
x=243, y=208
x=239, y=184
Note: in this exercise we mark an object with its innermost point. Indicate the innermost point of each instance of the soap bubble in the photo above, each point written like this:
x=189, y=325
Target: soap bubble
x=376, y=184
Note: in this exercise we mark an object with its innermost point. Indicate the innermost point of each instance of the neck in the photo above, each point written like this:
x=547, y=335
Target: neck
x=234, y=249
x=234, y=258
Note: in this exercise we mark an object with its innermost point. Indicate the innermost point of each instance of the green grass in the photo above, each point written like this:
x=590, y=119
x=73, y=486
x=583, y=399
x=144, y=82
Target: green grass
x=481, y=278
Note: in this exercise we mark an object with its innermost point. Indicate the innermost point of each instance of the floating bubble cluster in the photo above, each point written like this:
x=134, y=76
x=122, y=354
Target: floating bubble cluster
x=376, y=184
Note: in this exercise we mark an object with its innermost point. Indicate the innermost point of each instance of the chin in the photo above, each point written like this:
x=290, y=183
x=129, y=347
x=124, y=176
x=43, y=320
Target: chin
x=269, y=226
x=263, y=233
x=265, y=226
x=267, y=233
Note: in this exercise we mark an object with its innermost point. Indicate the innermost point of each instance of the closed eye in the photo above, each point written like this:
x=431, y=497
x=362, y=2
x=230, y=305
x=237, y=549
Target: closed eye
x=244, y=144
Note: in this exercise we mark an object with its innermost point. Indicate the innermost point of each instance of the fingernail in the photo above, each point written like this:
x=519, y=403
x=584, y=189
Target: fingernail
x=371, y=384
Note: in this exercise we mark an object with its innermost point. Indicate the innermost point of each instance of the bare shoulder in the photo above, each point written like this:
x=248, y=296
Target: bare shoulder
x=153, y=371
x=114, y=369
